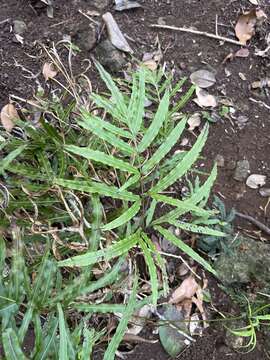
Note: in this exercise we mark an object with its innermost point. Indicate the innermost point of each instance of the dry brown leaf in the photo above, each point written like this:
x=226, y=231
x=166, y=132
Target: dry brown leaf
x=243, y=53
x=203, y=78
x=194, y=121
x=150, y=64
x=186, y=290
x=204, y=99
x=245, y=26
x=49, y=71
x=255, y=181
x=8, y=116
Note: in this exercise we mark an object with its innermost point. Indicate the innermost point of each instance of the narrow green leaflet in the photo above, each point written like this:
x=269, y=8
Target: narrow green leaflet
x=63, y=345
x=88, y=341
x=25, y=323
x=156, y=124
x=136, y=105
x=124, y=218
x=109, y=138
x=4, y=163
x=11, y=346
x=122, y=326
x=48, y=341
x=131, y=181
x=89, y=118
x=115, y=92
x=152, y=270
x=94, y=239
x=185, y=248
x=100, y=308
x=150, y=212
x=184, y=99
x=108, y=106
x=184, y=165
x=115, y=250
x=96, y=188
x=27, y=171
x=163, y=150
x=197, y=229
x=101, y=157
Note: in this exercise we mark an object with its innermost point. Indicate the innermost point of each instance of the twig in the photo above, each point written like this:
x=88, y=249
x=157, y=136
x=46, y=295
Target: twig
x=260, y=102
x=255, y=222
x=197, y=32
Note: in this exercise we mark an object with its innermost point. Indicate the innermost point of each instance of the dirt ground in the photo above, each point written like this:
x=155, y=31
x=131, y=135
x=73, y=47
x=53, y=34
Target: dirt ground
x=20, y=75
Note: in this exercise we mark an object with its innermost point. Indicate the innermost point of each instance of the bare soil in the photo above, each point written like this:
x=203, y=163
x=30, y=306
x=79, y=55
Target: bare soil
x=20, y=75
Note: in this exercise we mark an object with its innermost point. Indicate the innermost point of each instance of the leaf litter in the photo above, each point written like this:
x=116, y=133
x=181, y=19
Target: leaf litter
x=8, y=116
x=245, y=27
x=203, y=78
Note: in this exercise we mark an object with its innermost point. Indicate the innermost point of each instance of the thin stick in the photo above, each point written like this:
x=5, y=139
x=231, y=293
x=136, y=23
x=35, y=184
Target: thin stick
x=197, y=32
x=255, y=222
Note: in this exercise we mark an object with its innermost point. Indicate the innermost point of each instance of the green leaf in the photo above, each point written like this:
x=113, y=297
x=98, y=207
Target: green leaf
x=25, y=323
x=122, y=326
x=27, y=171
x=96, y=222
x=131, y=181
x=4, y=163
x=150, y=212
x=88, y=340
x=2, y=256
x=115, y=250
x=156, y=124
x=63, y=346
x=97, y=121
x=184, y=165
x=117, y=96
x=124, y=218
x=48, y=341
x=184, y=99
x=165, y=148
x=101, y=157
x=11, y=345
x=136, y=104
x=97, y=188
x=197, y=229
x=100, y=308
x=185, y=248
x=152, y=270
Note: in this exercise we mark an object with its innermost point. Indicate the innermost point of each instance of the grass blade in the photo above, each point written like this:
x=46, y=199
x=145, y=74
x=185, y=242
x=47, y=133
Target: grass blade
x=11, y=346
x=152, y=270
x=131, y=181
x=97, y=188
x=124, y=218
x=4, y=163
x=101, y=157
x=121, y=328
x=115, y=250
x=96, y=222
x=156, y=124
x=197, y=229
x=25, y=323
x=184, y=99
x=185, y=248
x=164, y=149
x=100, y=308
x=184, y=165
x=63, y=345
x=136, y=105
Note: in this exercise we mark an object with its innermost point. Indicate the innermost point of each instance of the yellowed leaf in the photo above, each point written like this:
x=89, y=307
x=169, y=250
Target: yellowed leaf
x=49, y=71
x=245, y=26
x=8, y=116
x=186, y=290
x=150, y=64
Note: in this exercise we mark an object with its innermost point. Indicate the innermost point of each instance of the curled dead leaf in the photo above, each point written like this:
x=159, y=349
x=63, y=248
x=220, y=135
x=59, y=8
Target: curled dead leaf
x=204, y=99
x=203, y=78
x=255, y=181
x=243, y=53
x=186, y=290
x=150, y=64
x=194, y=121
x=245, y=26
x=49, y=71
x=8, y=116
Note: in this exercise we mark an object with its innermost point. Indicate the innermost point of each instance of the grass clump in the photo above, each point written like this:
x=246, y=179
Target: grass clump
x=82, y=194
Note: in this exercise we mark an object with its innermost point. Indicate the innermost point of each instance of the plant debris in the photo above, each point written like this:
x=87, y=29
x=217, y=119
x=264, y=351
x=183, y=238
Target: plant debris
x=8, y=116
x=49, y=71
x=204, y=99
x=255, y=181
x=246, y=23
x=203, y=78
x=121, y=5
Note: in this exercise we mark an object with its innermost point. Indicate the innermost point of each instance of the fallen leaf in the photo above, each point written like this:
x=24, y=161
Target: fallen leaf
x=150, y=64
x=254, y=2
x=261, y=83
x=245, y=26
x=242, y=53
x=139, y=320
x=49, y=71
x=203, y=78
x=204, y=99
x=115, y=35
x=185, y=291
x=194, y=121
x=255, y=181
x=264, y=192
x=8, y=116
x=121, y=5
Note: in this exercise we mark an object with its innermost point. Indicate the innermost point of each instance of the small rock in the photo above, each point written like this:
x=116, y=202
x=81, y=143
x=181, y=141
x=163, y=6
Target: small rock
x=265, y=192
x=110, y=57
x=256, y=181
x=99, y=4
x=161, y=21
x=220, y=160
x=242, y=170
x=85, y=39
x=19, y=27
x=242, y=121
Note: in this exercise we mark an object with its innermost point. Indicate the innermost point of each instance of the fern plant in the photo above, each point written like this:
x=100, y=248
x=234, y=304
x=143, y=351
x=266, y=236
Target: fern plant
x=101, y=184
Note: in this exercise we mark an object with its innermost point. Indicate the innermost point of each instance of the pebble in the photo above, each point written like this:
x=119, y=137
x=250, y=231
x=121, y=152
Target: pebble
x=19, y=27
x=110, y=57
x=265, y=192
x=220, y=160
x=99, y=4
x=242, y=121
x=242, y=170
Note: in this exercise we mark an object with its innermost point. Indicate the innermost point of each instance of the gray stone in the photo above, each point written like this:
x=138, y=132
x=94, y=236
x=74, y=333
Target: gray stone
x=99, y=4
x=248, y=263
x=220, y=160
x=242, y=170
x=19, y=27
x=110, y=57
x=86, y=38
